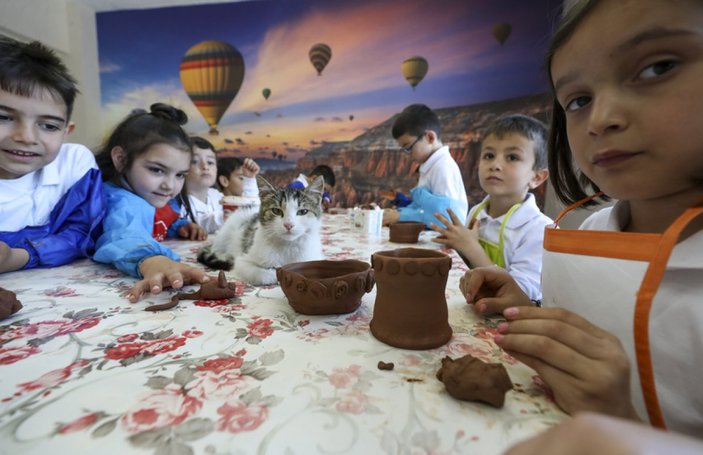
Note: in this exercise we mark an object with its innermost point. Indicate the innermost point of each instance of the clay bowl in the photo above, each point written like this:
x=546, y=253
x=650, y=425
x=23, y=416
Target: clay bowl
x=325, y=287
x=406, y=231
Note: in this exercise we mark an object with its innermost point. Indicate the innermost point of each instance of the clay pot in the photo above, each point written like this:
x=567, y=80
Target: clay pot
x=411, y=310
x=325, y=287
x=406, y=231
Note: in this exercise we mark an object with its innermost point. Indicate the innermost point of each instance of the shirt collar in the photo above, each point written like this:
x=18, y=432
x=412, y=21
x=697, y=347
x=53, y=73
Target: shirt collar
x=434, y=158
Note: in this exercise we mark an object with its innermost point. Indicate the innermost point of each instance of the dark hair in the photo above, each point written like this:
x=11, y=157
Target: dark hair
x=225, y=167
x=136, y=133
x=570, y=184
x=26, y=68
x=526, y=126
x=326, y=173
x=201, y=143
x=415, y=120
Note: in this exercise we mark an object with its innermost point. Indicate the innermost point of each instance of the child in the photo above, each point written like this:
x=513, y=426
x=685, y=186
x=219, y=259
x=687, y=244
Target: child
x=627, y=121
x=327, y=175
x=51, y=199
x=238, y=178
x=203, y=200
x=507, y=228
x=440, y=186
x=144, y=164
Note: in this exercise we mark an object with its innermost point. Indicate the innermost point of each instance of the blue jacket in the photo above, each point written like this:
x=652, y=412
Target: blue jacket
x=73, y=227
x=425, y=204
x=126, y=240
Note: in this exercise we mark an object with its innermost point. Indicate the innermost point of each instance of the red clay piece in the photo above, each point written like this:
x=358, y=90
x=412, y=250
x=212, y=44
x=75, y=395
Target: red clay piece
x=405, y=231
x=471, y=379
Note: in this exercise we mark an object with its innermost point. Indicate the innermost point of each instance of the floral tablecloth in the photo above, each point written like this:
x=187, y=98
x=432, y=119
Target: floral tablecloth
x=84, y=371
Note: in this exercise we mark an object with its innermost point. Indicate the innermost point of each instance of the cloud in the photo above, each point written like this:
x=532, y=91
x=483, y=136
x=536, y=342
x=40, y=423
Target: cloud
x=108, y=67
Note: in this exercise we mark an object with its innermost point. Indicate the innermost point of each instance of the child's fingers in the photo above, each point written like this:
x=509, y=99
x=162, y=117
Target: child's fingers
x=442, y=219
x=455, y=219
x=175, y=279
x=559, y=314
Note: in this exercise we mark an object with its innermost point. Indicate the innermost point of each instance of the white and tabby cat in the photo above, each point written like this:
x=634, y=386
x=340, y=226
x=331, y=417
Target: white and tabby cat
x=285, y=229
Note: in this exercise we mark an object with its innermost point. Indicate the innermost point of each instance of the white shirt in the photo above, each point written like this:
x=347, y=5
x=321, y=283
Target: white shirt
x=209, y=214
x=675, y=322
x=441, y=175
x=523, y=240
x=29, y=200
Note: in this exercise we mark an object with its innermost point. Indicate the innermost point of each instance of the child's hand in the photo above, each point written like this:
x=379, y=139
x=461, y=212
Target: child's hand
x=492, y=290
x=585, y=366
x=12, y=258
x=192, y=231
x=461, y=238
x=160, y=272
x=250, y=168
x=390, y=216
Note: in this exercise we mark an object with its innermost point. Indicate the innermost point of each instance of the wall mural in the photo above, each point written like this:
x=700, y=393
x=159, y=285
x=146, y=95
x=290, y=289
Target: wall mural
x=296, y=83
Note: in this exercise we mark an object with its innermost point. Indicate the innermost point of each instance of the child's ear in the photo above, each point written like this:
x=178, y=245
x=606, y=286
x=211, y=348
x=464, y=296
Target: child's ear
x=540, y=176
x=431, y=136
x=70, y=127
x=223, y=181
x=119, y=158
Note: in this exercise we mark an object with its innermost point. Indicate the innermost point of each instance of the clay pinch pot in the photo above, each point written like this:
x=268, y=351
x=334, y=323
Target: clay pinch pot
x=406, y=231
x=411, y=311
x=325, y=287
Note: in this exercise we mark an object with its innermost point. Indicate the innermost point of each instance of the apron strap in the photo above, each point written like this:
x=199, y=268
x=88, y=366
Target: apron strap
x=575, y=205
x=645, y=296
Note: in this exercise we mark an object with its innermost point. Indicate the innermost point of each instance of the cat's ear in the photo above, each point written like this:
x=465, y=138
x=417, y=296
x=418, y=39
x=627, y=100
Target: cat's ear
x=317, y=185
x=264, y=186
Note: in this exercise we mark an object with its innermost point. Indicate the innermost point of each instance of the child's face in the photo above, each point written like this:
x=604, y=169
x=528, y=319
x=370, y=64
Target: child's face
x=630, y=81
x=234, y=184
x=32, y=130
x=420, y=148
x=203, y=169
x=505, y=167
x=157, y=175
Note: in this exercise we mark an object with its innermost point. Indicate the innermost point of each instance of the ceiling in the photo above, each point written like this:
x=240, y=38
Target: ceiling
x=113, y=5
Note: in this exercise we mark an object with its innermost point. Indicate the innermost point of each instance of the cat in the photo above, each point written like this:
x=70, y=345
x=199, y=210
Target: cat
x=285, y=229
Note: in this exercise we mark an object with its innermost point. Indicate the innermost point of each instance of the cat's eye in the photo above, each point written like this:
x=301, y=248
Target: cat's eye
x=276, y=211
x=302, y=212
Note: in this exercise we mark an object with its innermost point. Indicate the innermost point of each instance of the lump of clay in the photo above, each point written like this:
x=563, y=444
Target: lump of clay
x=212, y=290
x=468, y=378
x=8, y=303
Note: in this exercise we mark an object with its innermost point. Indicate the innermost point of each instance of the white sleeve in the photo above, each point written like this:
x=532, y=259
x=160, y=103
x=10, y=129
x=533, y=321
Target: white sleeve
x=251, y=189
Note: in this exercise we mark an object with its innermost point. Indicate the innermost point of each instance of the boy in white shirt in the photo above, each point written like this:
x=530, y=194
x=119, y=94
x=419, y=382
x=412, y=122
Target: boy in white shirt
x=507, y=228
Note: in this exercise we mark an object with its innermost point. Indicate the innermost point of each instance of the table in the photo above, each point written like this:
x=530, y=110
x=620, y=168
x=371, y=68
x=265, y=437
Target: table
x=82, y=370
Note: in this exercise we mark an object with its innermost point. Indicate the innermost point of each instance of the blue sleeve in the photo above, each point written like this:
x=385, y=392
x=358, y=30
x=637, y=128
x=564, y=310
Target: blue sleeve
x=297, y=184
x=73, y=227
x=126, y=240
x=401, y=200
x=180, y=222
x=425, y=205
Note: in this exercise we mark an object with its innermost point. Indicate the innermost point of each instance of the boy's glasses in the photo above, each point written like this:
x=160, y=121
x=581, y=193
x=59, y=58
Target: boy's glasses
x=409, y=148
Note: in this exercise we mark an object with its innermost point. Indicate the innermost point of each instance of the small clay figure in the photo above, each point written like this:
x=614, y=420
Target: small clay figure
x=469, y=378
x=8, y=303
x=385, y=365
x=212, y=290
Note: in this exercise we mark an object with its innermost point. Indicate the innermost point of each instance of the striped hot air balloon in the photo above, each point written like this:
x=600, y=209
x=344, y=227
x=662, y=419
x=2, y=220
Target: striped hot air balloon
x=414, y=70
x=320, y=55
x=212, y=73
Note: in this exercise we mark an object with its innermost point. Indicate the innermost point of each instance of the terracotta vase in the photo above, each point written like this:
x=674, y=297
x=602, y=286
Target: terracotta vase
x=405, y=231
x=325, y=287
x=410, y=311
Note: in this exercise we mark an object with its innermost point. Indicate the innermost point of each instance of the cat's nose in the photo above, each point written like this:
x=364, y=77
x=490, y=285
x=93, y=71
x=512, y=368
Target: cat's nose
x=288, y=226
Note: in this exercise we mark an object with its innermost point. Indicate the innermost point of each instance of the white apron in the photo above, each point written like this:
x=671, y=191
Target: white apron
x=611, y=279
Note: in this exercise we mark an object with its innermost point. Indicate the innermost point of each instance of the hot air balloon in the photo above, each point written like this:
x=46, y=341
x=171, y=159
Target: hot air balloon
x=266, y=92
x=501, y=31
x=211, y=74
x=320, y=55
x=414, y=70
x=351, y=117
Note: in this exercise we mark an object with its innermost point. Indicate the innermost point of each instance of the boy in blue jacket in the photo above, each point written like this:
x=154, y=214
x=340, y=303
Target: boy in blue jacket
x=51, y=199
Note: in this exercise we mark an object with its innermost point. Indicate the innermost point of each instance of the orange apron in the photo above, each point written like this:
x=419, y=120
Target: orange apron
x=610, y=277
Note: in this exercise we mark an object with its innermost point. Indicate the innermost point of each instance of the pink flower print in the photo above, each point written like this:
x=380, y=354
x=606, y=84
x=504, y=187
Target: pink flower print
x=124, y=351
x=12, y=355
x=78, y=325
x=192, y=333
x=165, y=345
x=353, y=402
x=260, y=328
x=455, y=350
x=53, y=377
x=128, y=338
x=220, y=365
x=411, y=360
x=486, y=333
x=60, y=291
x=209, y=384
x=211, y=303
x=166, y=407
x=79, y=424
x=342, y=378
x=238, y=417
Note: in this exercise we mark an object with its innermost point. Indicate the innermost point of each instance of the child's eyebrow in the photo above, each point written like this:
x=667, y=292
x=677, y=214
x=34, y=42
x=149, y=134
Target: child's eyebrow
x=648, y=35
x=45, y=116
x=165, y=166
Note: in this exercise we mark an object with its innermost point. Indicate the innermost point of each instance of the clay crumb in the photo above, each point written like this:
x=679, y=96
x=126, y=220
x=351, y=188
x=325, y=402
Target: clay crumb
x=414, y=380
x=385, y=365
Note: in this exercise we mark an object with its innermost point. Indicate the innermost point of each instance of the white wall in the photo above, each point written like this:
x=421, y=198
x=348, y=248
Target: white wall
x=68, y=28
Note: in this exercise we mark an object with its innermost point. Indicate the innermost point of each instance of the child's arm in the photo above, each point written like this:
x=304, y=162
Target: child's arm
x=424, y=206
x=12, y=258
x=390, y=216
x=159, y=272
x=585, y=366
x=491, y=290
x=192, y=231
x=250, y=168
x=463, y=239
x=74, y=224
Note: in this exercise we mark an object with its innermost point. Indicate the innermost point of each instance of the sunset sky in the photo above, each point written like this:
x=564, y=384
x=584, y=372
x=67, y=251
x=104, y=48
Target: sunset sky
x=140, y=52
